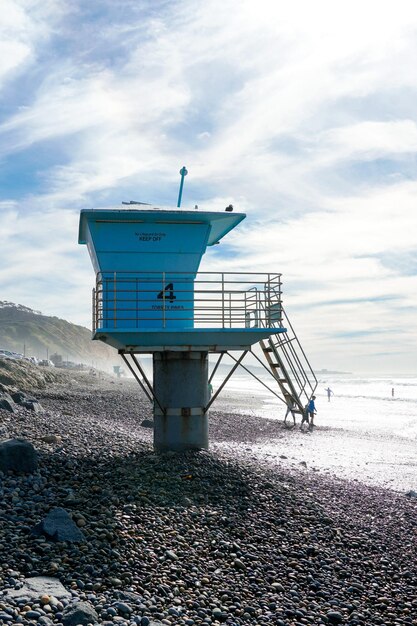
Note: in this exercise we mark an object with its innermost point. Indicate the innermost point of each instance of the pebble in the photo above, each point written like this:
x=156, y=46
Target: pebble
x=199, y=538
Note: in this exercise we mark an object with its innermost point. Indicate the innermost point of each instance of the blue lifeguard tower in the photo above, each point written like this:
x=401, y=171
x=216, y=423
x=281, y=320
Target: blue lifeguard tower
x=151, y=298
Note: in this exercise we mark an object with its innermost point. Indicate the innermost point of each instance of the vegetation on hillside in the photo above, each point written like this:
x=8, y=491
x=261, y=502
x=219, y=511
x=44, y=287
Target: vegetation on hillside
x=27, y=376
x=33, y=334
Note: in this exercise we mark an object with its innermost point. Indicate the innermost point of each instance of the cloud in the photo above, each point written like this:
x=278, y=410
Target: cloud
x=370, y=139
x=42, y=265
x=25, y=25
x=300, y=114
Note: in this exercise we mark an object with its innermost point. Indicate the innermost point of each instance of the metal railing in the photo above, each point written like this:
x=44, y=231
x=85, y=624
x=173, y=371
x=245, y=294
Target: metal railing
x=145, y=300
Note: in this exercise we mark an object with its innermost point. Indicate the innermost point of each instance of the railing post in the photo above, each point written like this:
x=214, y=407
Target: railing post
x=163, y=300
x=269, y=302
x=222, y=300
x=94, y=310
x=114, y=300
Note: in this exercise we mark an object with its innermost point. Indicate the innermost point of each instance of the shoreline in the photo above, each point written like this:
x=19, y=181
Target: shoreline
x=372, y=457
x=196, y=538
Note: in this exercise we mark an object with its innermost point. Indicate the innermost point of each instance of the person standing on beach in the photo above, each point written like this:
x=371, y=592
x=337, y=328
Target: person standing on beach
x=329, y=393
x=305, y=417
x=311, y=411
x=290, y=409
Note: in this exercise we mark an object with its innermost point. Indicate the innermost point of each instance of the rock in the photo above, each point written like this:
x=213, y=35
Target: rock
x=171, y=555
x=5, y=617
x=58, y=526
x=6, y=403
x=123, y=608
x=51, y=438
x=18, y=455
x=411, y=494
x=19, y=397
x=38, y=586
x=33, y=615
x=334, y=617
x=79, y=613
x=33, y=405
x=147, y=423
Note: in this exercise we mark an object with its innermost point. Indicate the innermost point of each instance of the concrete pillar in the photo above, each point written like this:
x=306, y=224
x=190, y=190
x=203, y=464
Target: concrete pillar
x=181, y=385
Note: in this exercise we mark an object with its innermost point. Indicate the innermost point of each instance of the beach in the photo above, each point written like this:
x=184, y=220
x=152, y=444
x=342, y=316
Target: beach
x=260, y=529
x=362, y=434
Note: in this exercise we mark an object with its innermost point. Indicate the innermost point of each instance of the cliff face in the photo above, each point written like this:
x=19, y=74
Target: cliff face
x=27, y=331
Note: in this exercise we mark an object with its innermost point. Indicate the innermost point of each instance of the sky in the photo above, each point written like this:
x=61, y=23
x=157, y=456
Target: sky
x=301, y=114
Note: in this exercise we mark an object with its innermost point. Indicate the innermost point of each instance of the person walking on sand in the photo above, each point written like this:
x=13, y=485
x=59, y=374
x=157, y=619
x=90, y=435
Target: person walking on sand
x=305, y=417
x=290, y=409
x=311, y=411
x=329, y=393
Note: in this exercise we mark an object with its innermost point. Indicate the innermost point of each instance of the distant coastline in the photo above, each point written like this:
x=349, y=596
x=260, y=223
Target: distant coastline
x=324, y=371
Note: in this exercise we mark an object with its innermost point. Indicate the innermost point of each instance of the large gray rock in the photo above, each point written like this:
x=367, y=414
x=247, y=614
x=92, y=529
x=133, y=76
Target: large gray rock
x=79, y=613
x=18, y=455
x=33, y=405
x=7, y=403
x=19, y=397
x=58, y=526
x=38, y=586
x=26, y=401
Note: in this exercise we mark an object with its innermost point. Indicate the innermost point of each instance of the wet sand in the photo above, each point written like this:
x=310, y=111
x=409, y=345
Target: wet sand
x=372, y=458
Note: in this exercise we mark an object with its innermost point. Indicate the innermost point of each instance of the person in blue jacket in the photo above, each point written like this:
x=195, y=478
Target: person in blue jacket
x=312, y=411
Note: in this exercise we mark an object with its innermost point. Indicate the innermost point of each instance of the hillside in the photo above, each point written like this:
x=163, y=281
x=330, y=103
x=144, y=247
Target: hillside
x=27, y=331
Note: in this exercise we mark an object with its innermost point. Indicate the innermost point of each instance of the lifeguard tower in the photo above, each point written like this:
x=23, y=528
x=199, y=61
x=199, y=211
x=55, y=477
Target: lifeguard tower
x=150, y=298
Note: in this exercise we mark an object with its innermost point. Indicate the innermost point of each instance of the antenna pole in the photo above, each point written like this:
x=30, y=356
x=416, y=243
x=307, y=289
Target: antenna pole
x=183, y=172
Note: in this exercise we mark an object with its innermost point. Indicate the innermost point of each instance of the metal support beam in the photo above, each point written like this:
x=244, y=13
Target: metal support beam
x=142, y=371
x=258, y=379
x=152, y=397
x=225, y=380
x=216, y=366
x=136, y=376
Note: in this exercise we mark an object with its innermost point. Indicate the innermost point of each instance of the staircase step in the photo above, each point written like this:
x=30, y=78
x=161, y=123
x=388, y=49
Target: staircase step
x=285, y=359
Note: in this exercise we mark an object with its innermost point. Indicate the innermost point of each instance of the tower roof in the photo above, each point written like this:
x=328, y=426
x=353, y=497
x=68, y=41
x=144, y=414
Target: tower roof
x=221, y=222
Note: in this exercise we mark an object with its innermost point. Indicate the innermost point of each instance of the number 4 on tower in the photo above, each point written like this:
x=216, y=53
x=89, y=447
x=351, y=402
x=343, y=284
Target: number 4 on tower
x=169, y=289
